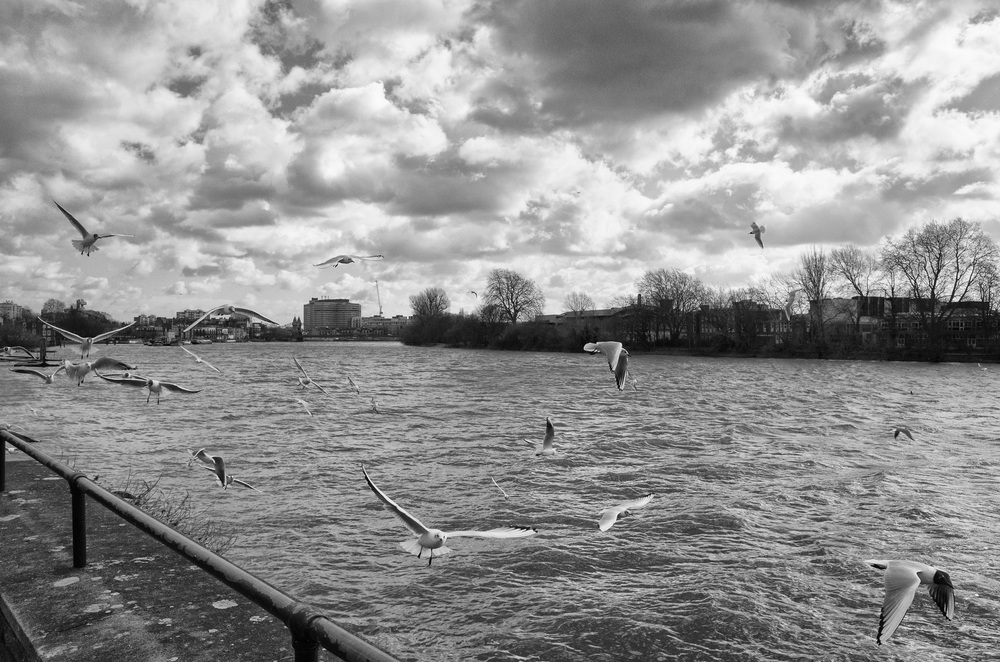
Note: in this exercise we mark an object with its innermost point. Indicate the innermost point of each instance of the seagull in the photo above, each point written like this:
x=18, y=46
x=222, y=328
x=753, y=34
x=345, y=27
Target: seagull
x=305, y=405
x=9, y=351
x=305, y=380
x=77, y=370
x=228, y=309
x=9, y=426
x=45, y=378
x=433, y=540
x=902, y=429
x=200, y=454
x=354, y=386
x=89, y=242
x=901, y=581
x=85, y=343
x=499, y=488
x=982, y=367
x=610, y=515
x=617, y=359
x=198, y=359
x=34, y=412
x=792, y=296
x=225, y=479
x=347, y=259
x=550, y=435
x=154, y=385
x=374, y=405
x=473, y=293
x=757, y=231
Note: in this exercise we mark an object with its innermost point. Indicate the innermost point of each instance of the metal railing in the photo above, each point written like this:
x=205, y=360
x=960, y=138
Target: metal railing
x=309, y=627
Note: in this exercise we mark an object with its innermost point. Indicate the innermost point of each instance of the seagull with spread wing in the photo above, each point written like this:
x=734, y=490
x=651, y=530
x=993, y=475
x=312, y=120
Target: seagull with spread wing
x=154, y=386
x=198, y=359
x=757, y=231
x=77, y=370
x=617, y=359
x=610, y=515
x=902, y=579
x=222, y=477
x=792, y=296
x=229, y=309
x=337, y=260
x=548, y=441
x=86, y=344
x=88, y=244
x=38, y=373
x=431, y=542
x=305, y=380
x=901, y=429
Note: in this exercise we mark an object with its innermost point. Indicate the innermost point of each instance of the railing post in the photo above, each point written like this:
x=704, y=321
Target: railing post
x=79, y=507
x=304, y=640
x=3, y=466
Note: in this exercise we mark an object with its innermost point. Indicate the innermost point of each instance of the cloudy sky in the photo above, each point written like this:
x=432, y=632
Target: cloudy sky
x=579, y=143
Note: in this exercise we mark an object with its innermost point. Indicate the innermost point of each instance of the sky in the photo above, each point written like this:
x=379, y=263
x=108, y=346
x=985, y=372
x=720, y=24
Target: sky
x=579, y=143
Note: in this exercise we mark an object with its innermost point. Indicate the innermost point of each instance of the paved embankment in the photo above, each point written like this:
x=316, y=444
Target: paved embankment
x=135, y=599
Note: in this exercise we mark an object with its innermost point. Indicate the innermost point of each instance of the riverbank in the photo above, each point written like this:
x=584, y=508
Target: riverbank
x=135, y=600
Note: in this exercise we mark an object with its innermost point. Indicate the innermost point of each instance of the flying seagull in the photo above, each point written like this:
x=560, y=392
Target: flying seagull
x=337, y=260
x=223, y=478
x=89, y=242
x=198, y=359
x=792, y=296
x=202, y=455
x=547, y=442
x=902, y=578
x=228, y=309
x=9, y=351
x=46, y=378
x=610, y=515
x=499, y=488
x=305, y=405
x=617, y=358
x=153, y=385
x=353, y=385
x=432, y=541
x=902, y=429
x=86, y=344
x=757, y=231
x=77, y=370
x=305, y=380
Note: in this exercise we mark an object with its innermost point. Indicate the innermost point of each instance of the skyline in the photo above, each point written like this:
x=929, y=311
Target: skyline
x=580, y=144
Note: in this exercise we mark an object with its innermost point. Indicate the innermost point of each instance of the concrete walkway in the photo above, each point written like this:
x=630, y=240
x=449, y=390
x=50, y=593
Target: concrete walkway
x=135, y=600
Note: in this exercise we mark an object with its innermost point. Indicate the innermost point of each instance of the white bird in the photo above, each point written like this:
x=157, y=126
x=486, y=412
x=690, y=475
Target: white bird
x=153, y=385
x=902, y=578
x=901, y=429
x=792, y=296
x=223, y=478
x=305, y=405
x=198, y=359
x=337, y=260
x=473, y=293
x=374, y=405
x=228, y=309
x=77, y=370
x=9, y=426
x=499, y=488
x=89, y=242
x=305, y=380
x=610, y=515
x=548, y=441
x=86, y=344
x=9, y=351
x=202, y=455
x=38, y=373
x=982, y=367
x=617, y=359
x=757, y=231
x=432, y=541
x=354, y=386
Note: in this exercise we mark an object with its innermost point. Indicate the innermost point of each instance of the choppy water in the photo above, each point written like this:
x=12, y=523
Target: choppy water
x=774, y=481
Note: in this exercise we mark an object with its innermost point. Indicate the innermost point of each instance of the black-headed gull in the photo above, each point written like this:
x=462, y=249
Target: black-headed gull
x=229, y=309
x=901, y=429
x=502, y=491
x=88, y=244
x=902, y=578
x=610, y=515
x=305, y=405
x=354, y=386
x=86, y=344
x=223, y=478
x=305, y=380
x=77, y=370
x=47, y=378
x=337, y=260
x=757, y=231
x=431, y=542
x=198, y=359
x=9, y=351
x=792, y=296
x=154, y=386
x=617, y=358
x=548, y=441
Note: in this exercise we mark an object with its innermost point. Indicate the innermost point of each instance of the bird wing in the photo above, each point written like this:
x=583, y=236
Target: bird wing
x=637, y=503
x=67, y=334
x=245, y=484
x=621, y=370
x=319, y=387
x=202, y=318
x=335, y=260
x=301, y=369
x=254, y=313
x=608, y=517
x=760, y=242
x=305, y=405
x=499, y=532
x=126, y=381
x=76, y=224
x=944, y=598
x=108, y=334
x=176, y=388
x=29, y=371
x=200, y=454
x=550, y=435
x=411, y=522
x=106, y=362
x=354, y=386
x=901, y=582
x=219, y=469
x=753, y=226
x=114, y=234
x=610, y=348
x=368, y=257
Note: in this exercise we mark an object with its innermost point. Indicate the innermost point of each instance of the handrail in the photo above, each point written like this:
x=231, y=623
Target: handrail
x=310, y=628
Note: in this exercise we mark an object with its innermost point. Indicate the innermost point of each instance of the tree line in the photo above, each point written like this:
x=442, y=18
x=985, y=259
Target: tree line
x=901, y=299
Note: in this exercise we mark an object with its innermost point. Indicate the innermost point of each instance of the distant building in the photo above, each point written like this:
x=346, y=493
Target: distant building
x=328, y=316
x=188, y=315
x=10, y=310
x=383, y=326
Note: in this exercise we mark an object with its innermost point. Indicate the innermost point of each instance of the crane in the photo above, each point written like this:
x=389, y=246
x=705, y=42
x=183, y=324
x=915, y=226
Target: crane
x=379, y=299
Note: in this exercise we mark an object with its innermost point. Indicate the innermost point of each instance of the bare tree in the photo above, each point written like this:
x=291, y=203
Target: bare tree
x=941, y=264
x=432, y=302
x=516, y=296
x=674, y=295
x=813, y=276
x=860, y=270
x=578, y=302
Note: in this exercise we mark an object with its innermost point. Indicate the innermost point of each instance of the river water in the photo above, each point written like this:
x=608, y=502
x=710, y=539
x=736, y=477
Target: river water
x=773, y=480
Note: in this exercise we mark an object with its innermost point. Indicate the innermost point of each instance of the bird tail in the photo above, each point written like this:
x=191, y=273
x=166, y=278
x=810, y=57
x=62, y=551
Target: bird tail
x=78, y=245
x=591, y=347
x=414, y=547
